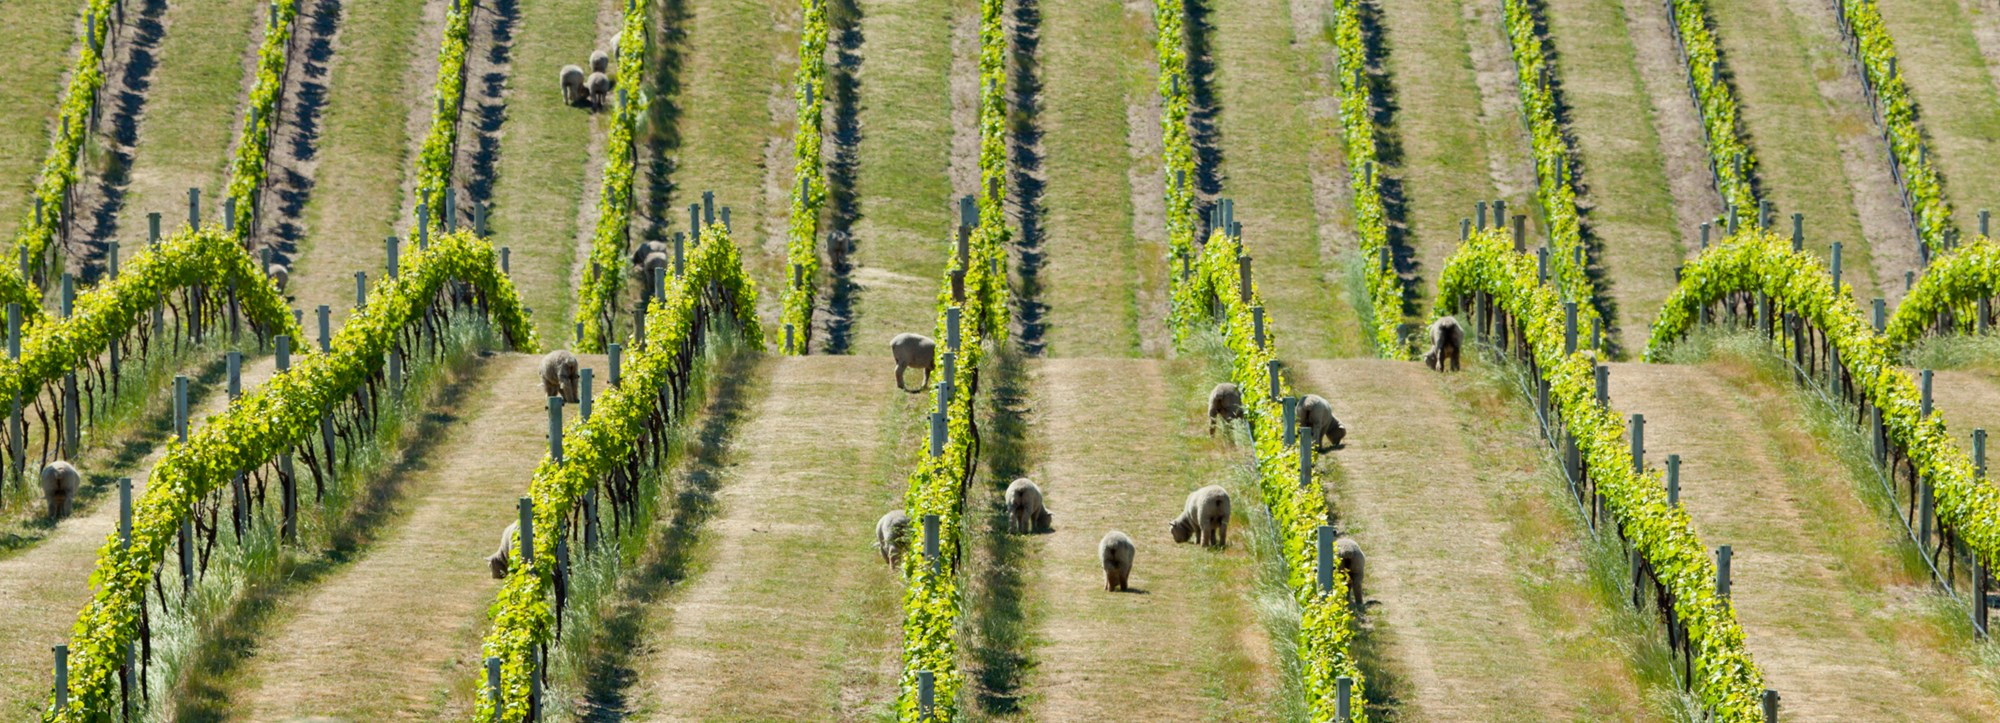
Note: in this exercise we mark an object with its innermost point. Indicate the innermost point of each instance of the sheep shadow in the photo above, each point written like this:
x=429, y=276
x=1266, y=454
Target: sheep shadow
x=608, y=673
x=128, y=106
x=841, y=172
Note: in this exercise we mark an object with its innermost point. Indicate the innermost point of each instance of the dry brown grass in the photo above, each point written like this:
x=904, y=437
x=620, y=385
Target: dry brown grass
x=1939, y=56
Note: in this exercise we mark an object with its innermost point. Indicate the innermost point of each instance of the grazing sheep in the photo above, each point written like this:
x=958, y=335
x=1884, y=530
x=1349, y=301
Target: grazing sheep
x=559, y=375
x=1225, y=402
x=1316, y=422
x=892, y=534
x=574, y=88
x=913, y=351
x=1207, y=512
x=503, y=560
x=280, y=276
x=1445, y=340
x=640, y=252
x=1354, y=564
x=1115, y=551
x=600, y=89
x=600, y=61
x=60, y=482
x=1025, y=513
x=651, y=262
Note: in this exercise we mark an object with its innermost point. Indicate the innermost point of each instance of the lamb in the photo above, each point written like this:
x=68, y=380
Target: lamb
x=1225, y=402
x=600, y=89
x=60, y=482
x=559, y=375
x=892, y=534
x=1316, y=422
x=1207, y=512
x=600, y=61
x=1354, y=564
x=574, y=89
x=503, y=559
x=1445, y=340
x=913, y=351
x=1115, y=551
x=280, y=276
x=1025, y=513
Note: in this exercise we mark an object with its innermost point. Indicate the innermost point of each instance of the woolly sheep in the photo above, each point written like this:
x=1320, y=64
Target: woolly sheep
x=1316, y=422
x=600, y=89
x=892, y=534
x=1225, y=402
x=281, y=276
x=600, y=61
x=1115, y=551
x=1207, y=512
x=60, y=482
x=640, y=252
x=559, y=375
x=503, y=560
x=574, y=89
x=1025, y=512
x=651, y=262
x=914, y=351
x=1445, y=340
x=1354, y=564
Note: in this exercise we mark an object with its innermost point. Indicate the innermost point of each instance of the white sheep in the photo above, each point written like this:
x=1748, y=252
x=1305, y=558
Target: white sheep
x=1116, y=552
x=600, y=89
x=575, y=89
x=1206, y=511
x=648, y=265
x=60, y=481
x=1445, y=340
x=892, y=534
x=600, y=61
x=913, y=351
x=559, y=375
x=502, y=561
x=1354, y=564
x=281, y=276
x=640, y=252
x=1025, y=511
x=1224, y=402
x=1316, y=422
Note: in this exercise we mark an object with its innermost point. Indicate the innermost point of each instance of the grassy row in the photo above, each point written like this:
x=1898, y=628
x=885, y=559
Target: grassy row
x=1365, y=178
x=1726, y=680
x=1729, y=153
x=257, y=428
x=524, y=617
x=59, y=168
x=1923, y=188
x=808, y=182
x=597, y=298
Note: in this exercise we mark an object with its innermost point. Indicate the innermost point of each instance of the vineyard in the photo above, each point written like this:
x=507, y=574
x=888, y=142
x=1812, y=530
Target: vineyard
x=843, y=360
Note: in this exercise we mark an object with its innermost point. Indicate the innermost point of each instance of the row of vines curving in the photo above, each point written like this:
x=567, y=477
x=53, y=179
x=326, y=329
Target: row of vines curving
x=808, y=181
x=1371, y=216
x=603, y=279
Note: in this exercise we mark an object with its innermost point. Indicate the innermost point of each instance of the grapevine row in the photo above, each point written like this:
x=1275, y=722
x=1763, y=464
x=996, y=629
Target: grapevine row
x=1555, y=165
x=631, y=414
x=1326, y=624
x=253, y=146
x=597, y=300
x=972, y=311
x=1955, y=294
x=1371, y=217
x=1731, y=163
x=808, y=182
x=1495, y=287
x=1177, y=96
x=59, y=174
x=1909, y=156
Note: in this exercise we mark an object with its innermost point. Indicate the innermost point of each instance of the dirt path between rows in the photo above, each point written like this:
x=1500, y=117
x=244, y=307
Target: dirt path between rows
x=389, y=635
x=1815, y=577
x=792, y=614
x=1146, y=180
x=1676, y=120
x=1185, y=641
x=44, y=588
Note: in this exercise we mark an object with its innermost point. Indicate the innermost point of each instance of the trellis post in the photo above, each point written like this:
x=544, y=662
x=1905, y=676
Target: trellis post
x=1569, y=327
x=493, y=686
x=1722, y=556
x=391, y=244
x=1979, y=451
x=62, y=676
x=584, y=392
x=125, y=512
x=1326, y=559
x=1798, y=232
x=555, y=429
x=1673, y=480
x=1924, y=401
x=1638, y=443
x=1836, y=265
x=926, y=695
x=325, y=328
x=1343, y=702
x=181, y=408
x=1291, y=407
x=931, y=541
x=615, y=351
x=1881, y=314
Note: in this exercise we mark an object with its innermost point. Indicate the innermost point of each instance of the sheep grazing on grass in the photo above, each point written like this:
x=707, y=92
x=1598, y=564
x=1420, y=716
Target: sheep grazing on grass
x=559, y=375
x=1224, y=402
x=600, y=61
x=281, y=276
x=503, y=560
x=640, y=252
x=1354, y=564
x=575, y=89
x=1207, y=512
x=653, y=262
x=892, y=535
x=1445, y=340
x=1115, y=551
x=913, y=351
x=60, y=482
x=1316, y=423
x=600, y=89
x=1025, y=512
